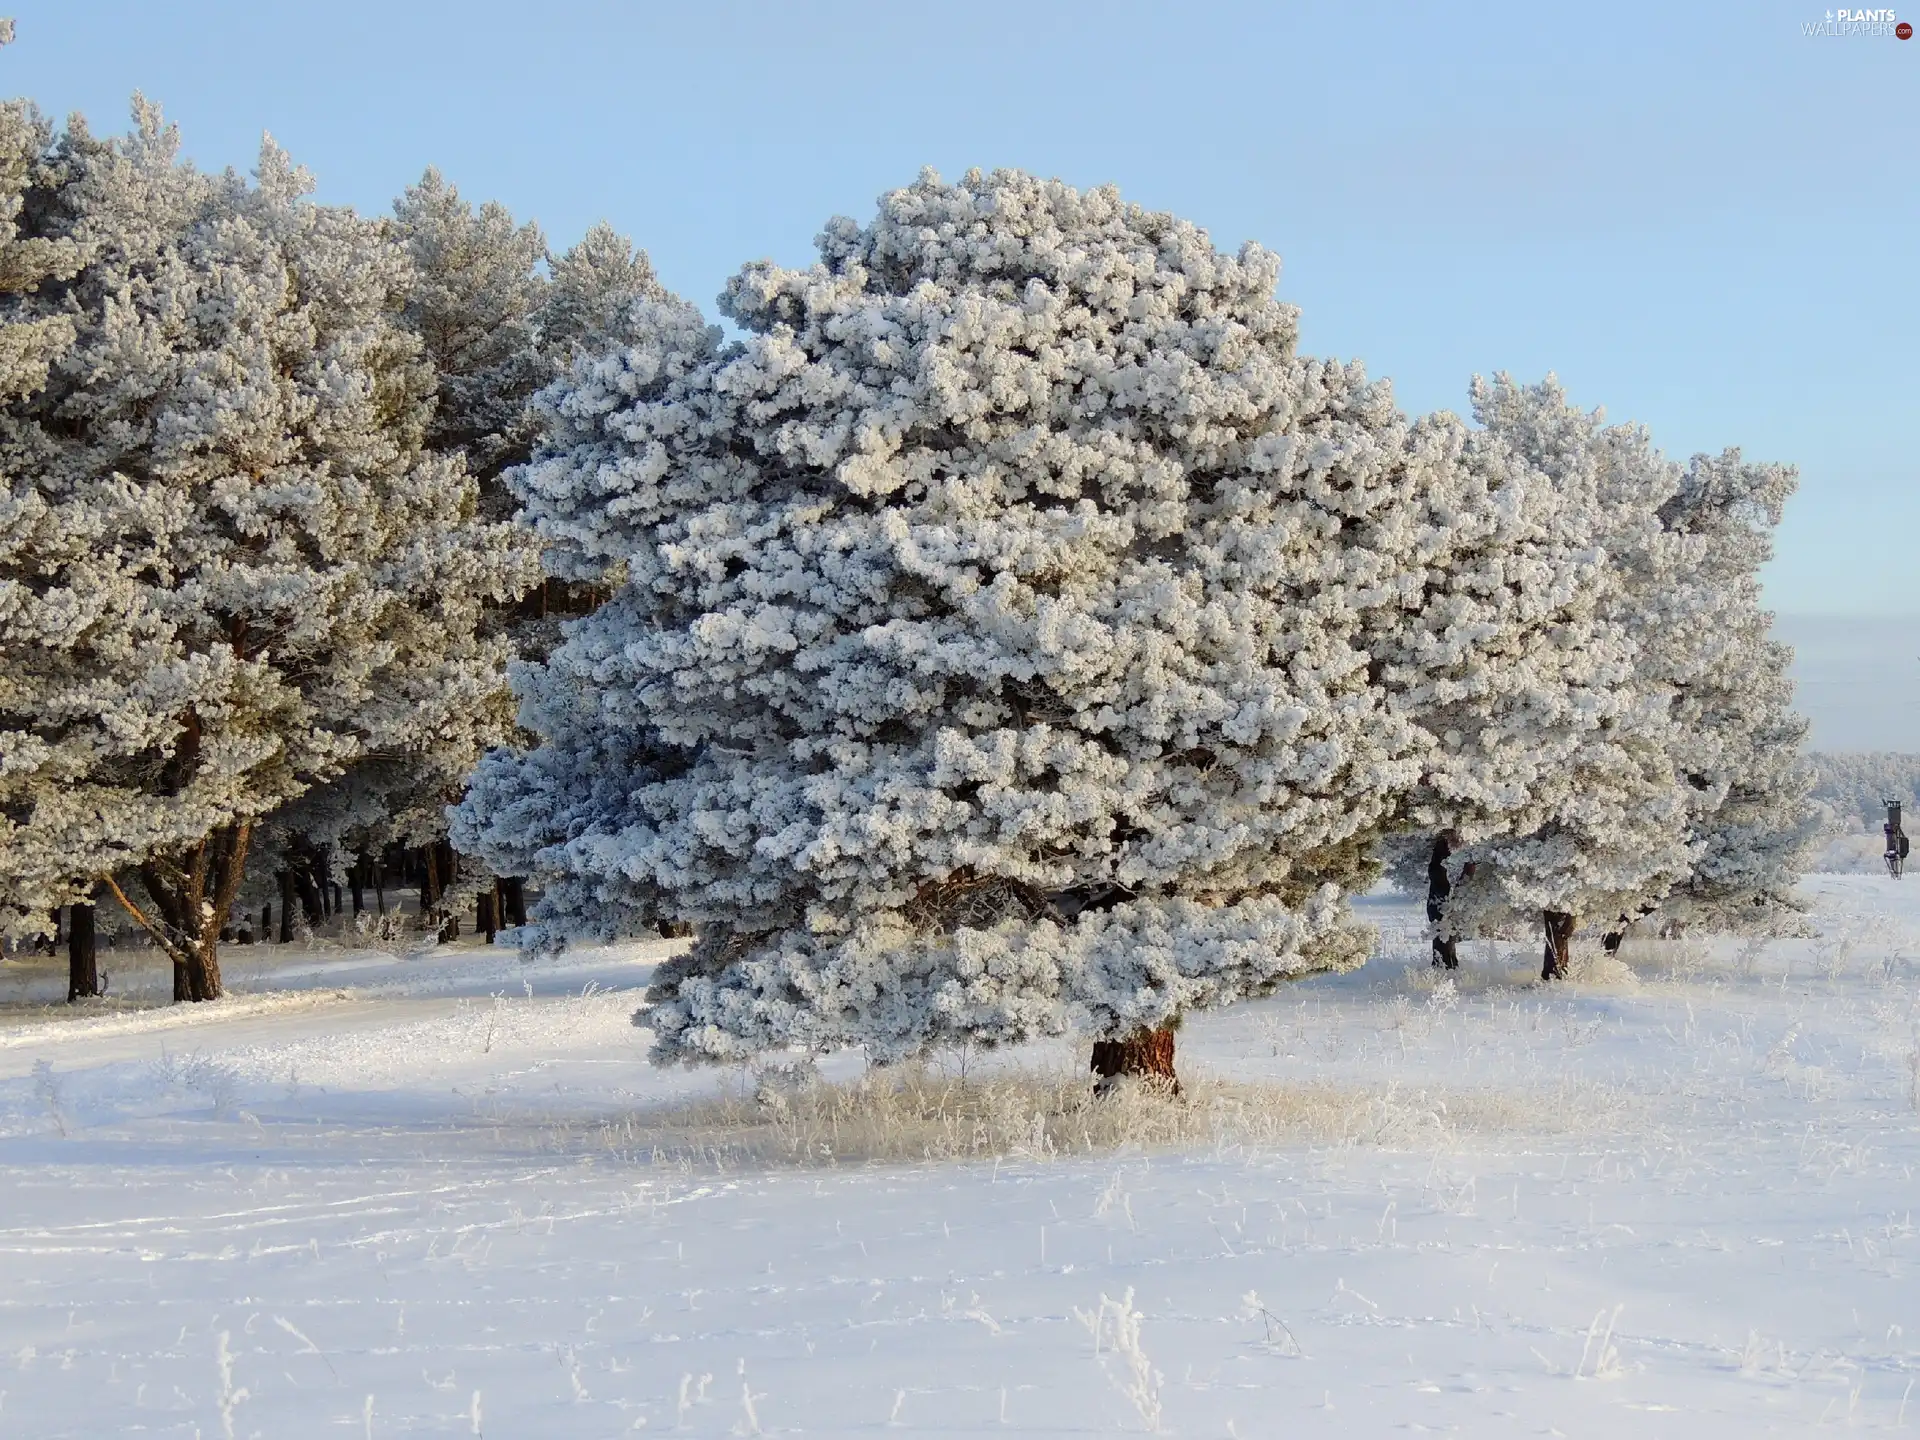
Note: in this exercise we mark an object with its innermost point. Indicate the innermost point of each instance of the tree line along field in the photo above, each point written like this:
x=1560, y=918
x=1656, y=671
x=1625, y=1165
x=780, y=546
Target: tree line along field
x=1008, y=634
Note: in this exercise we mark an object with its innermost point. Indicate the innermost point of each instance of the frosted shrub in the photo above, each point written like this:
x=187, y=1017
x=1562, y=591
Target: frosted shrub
x=1116, y=1325
x=395, y=927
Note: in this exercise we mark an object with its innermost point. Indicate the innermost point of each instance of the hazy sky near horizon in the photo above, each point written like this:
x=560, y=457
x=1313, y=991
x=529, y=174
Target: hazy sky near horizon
x=1699, y=216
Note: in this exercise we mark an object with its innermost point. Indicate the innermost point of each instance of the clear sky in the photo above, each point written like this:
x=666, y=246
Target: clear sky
x=1696, y=214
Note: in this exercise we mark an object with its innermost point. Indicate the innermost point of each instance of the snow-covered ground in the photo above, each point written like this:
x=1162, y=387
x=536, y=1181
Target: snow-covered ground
x=377, y=1196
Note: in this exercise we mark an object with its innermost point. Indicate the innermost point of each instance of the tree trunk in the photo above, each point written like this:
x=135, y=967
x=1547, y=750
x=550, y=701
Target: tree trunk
x=1446, y=950
x=312, y=906
x=1558, y=957
x=514, y=891
x=357, y=882
x=380, y=885
x=83, y=974
x=203, y=968
x=286, y=907
x=192, y=893
x=1615, y=937
x=434, y=879
x=429, y=881
x=266, y=923
x=483, y=914
x=1145, y=1055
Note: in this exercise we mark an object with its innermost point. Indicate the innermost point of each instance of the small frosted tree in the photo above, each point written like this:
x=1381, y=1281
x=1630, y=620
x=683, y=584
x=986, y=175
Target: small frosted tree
x=1620, y=729
x=991, y=653
x=1562, y=770
x=1743, y=746
x=1507, y=662
x=233, y=570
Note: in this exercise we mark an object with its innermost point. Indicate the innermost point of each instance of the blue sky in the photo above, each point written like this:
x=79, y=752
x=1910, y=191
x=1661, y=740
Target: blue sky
x=1699, y=216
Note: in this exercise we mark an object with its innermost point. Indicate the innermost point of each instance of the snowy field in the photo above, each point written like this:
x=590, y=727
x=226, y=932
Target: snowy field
x=374, y=1195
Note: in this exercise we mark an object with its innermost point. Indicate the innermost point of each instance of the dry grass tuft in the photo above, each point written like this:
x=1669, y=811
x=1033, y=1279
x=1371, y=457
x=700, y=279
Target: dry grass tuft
x=917, y=1113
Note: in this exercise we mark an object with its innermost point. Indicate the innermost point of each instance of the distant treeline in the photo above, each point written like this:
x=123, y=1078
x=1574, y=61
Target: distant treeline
x=1856, y=785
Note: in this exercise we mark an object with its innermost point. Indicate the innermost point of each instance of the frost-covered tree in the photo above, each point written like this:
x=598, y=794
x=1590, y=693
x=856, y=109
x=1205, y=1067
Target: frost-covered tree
x=992, y=654
x=475, y=302
x=231, y=567
x=1558, y=758
x=499, y=319
x=1621, y=664
x=33, y=334
x=1742, y=745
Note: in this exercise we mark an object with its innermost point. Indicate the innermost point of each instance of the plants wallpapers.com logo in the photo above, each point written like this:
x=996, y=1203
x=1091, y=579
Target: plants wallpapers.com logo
x=1862, y=24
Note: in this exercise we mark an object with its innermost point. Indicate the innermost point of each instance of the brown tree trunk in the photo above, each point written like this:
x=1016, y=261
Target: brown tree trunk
x=483, y=914
x=1145, y=1055
x=83, y=974
x=449, y=865
x=192, y=895
x=429, y=881
x=203, y=967
x=312, y=904
x=1613, y=939
x=1558, y=956
x=513, y=890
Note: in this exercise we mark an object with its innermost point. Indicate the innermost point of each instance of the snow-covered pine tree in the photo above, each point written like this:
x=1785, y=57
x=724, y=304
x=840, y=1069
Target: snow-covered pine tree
x=594, y=285
x=1557, y=763
x=33, y=333
x=32, y=329
x=992, y=646
x=242, y=571
x=497, y=328
x=1742, y=744
x=474, y=302
x=1505, y=662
